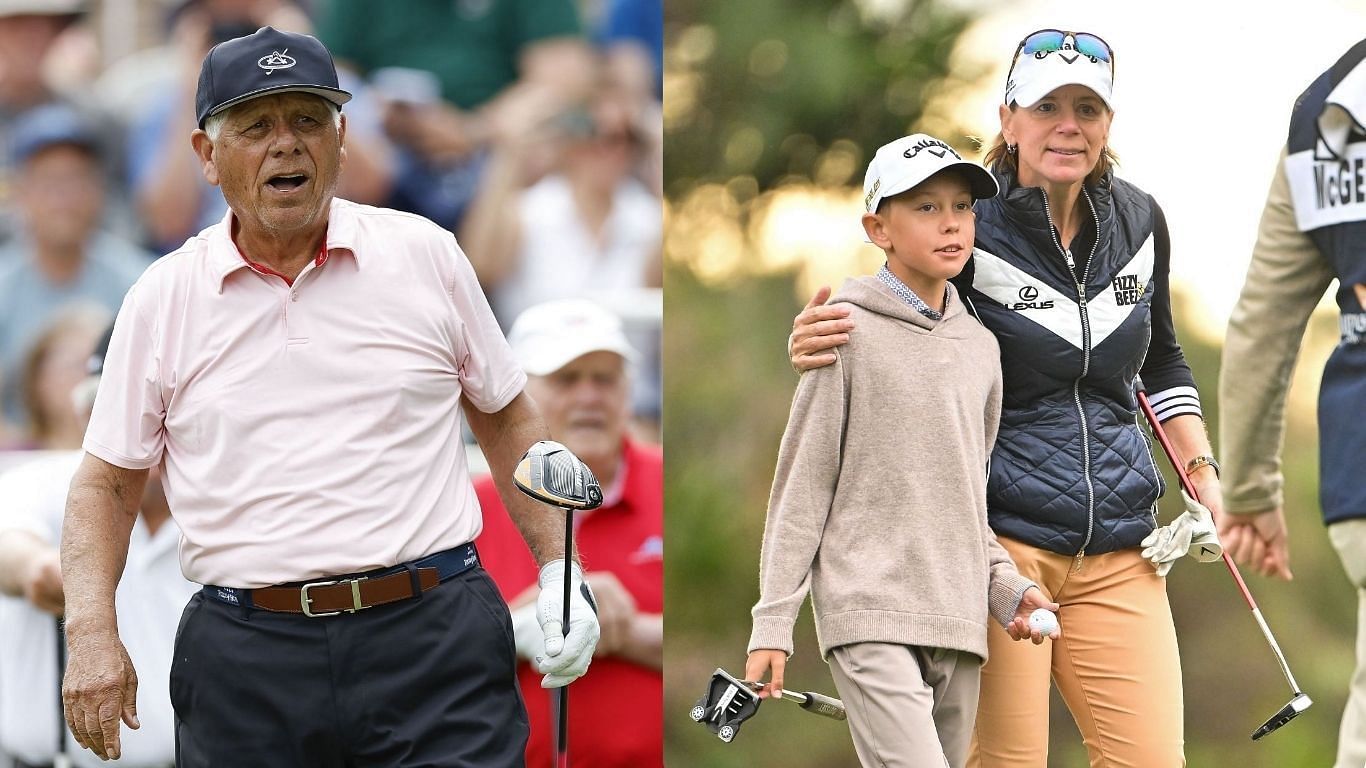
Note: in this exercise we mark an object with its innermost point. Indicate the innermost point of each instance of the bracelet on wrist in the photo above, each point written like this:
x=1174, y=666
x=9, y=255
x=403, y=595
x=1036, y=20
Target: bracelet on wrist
x=1202, y=461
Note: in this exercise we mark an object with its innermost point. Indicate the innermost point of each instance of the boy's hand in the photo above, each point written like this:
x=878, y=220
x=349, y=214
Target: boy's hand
x=817, y=329
x=760, y=661
x=1019, y=628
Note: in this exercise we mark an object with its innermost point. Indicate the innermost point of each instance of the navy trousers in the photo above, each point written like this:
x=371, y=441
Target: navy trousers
x=423, y=683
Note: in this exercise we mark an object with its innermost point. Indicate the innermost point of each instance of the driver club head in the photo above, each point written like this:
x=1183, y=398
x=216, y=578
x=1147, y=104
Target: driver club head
x=1289, y=712
x=550, y=473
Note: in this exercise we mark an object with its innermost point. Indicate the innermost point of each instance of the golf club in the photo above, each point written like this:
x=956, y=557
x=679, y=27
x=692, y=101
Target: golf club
x=551, y=474
x=1300, y=701
x=816, y=703
x=61, y=759
x=729, y=702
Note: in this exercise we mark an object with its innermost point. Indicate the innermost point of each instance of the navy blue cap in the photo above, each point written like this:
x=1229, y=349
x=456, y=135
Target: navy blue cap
x=50, y=125
x=266, y=61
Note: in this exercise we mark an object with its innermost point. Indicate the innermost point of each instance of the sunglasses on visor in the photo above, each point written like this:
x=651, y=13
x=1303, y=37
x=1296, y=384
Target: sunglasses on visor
x=1045, y=41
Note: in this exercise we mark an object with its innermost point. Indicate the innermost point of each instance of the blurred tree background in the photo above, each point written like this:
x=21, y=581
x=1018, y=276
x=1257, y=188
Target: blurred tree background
x=771, y=112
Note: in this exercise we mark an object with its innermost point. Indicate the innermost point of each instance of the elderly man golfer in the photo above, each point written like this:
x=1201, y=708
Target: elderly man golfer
x=298, y=372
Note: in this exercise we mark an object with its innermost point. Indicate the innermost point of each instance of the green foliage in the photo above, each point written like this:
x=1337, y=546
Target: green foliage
x=763, y=89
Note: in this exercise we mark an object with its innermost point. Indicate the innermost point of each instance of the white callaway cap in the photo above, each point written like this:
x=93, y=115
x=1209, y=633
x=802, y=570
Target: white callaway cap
x=548, y=336
x=1050, y=59
x=909, y=160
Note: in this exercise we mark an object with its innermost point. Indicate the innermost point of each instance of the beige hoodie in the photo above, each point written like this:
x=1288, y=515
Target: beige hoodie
x=879, y=498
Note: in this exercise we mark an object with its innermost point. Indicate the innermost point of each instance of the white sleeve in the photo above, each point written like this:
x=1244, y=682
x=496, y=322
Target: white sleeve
x=127, y=427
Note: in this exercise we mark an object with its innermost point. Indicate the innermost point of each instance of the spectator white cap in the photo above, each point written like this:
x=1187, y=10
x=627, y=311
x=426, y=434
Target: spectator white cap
x=549, y=336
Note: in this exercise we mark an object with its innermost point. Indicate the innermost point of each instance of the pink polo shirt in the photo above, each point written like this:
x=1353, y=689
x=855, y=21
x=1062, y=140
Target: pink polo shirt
x=313, y=429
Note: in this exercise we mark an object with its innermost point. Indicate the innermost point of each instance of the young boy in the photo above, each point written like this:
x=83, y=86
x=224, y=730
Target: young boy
x=879, y=498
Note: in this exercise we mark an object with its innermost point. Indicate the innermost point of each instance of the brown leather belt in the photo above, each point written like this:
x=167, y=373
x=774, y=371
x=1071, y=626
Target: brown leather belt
x=348, y=594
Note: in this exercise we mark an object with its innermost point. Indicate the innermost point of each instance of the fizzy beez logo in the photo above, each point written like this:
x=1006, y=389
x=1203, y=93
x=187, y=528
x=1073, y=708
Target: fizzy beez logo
x=1029, y=295
x=935, y=147
x=1127, y=290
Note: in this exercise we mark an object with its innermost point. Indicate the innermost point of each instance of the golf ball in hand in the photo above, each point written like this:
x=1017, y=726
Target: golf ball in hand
x=1043, y=621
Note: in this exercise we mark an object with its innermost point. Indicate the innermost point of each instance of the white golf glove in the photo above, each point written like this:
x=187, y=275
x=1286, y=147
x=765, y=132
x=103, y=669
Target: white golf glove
x=566, y=656
x=1191, y=533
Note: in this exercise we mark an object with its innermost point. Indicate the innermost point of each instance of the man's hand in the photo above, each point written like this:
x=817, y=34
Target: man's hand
x=616, y=612
x=1192, y=533
x=42, y=582
x=760, y=661
x=816, y=329
x=1258, y=540
x=566, y=655
x=1030, y=601
x=100, y=687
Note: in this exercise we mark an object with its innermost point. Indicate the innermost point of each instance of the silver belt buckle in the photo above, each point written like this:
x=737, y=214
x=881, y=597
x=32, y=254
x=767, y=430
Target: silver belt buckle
x=305, y=600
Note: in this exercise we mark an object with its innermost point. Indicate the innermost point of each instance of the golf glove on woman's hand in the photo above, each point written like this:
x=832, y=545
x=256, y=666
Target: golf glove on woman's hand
x=1191, y=533
x=566, y=656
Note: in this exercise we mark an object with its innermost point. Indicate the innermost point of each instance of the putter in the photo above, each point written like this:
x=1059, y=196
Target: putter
x=729, y=702
x=1300, y=701
x=551, y=474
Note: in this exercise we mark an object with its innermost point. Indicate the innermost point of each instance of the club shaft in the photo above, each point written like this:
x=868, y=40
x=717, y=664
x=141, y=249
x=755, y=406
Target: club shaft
x=1179, y=466
x=1276, y=649
x=562, y=715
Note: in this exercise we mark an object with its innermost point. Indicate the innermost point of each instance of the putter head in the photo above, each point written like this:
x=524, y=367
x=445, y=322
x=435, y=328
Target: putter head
x=727, y=704
x=1289, y=712
x=550, y=473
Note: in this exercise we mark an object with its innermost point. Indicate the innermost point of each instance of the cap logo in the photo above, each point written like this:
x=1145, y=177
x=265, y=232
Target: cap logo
x=276, y=60
x=868, y=198
x=930, y=145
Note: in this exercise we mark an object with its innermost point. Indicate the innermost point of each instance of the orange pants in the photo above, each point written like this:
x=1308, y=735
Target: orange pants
x=1116, y=666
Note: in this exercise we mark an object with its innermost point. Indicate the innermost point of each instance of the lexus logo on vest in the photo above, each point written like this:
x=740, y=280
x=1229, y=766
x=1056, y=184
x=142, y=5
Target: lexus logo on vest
x=1029, y=300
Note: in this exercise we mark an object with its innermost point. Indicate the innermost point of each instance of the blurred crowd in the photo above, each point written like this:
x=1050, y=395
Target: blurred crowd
x=531, y=129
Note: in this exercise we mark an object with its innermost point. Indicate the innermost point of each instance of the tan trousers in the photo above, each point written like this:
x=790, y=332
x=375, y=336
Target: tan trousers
x=1349, y=539
x=1116, y=666
x=908, y=706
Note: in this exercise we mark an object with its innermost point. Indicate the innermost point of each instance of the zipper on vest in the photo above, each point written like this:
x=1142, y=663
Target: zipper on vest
x=1152, y=462
x=1085, y=361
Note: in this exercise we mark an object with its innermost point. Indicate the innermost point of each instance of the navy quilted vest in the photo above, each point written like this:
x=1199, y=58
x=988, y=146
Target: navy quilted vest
x=1071, y=471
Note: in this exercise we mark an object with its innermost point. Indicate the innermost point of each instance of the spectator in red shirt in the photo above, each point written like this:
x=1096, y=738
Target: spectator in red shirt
x=577, y=361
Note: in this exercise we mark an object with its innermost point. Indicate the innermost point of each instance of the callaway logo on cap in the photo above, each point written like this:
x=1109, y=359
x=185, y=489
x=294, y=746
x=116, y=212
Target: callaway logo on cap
x=909, y=160
x=266, y=61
